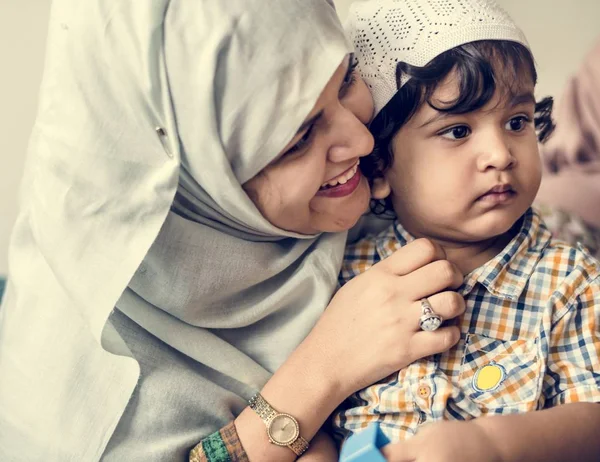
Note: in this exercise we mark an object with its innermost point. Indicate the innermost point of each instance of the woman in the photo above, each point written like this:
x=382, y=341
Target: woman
x=181, y=231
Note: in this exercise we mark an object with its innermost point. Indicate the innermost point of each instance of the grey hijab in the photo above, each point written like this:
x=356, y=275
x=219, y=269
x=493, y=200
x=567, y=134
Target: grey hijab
x=210, y=297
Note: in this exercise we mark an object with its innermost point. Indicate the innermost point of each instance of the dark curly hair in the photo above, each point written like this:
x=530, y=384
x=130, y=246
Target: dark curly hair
x=476, y=64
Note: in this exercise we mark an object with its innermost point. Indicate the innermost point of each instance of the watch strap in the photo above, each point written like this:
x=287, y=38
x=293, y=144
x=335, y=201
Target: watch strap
x=264, y=410
x=299, y=446
x=267, y=413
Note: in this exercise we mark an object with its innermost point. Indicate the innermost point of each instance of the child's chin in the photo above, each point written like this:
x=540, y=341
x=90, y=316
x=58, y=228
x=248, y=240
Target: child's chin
x=499, y=226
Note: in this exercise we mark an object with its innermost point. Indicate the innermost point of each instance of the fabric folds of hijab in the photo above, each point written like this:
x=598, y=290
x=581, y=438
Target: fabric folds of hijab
x=117, y=213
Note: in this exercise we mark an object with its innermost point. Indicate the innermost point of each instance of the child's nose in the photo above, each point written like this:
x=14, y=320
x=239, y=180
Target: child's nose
x=496, y=154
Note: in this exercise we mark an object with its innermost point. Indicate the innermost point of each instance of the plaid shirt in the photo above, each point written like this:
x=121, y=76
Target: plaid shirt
x=530, y=338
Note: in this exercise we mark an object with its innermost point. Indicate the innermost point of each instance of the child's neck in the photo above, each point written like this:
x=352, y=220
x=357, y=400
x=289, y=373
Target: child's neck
x=470, y=255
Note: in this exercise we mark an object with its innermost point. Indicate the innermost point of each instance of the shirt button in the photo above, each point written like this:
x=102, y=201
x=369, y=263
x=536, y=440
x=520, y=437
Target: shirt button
x=424, y=391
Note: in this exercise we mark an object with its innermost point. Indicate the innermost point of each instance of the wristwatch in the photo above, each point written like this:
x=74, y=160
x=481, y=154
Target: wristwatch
x=282, y=429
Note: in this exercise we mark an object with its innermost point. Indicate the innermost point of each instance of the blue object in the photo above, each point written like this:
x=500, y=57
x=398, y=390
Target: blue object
x=364, y=446
x=2, y=286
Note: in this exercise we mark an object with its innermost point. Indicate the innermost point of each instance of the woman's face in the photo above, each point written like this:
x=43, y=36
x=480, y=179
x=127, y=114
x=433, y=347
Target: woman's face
x=314, y=184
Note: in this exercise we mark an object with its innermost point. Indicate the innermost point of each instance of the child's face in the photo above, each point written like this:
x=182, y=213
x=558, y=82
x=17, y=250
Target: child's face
x=466, y=178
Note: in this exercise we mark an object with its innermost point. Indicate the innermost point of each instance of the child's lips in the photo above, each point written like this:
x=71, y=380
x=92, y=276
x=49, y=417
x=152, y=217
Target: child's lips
x=500, y=188
x=499, y=194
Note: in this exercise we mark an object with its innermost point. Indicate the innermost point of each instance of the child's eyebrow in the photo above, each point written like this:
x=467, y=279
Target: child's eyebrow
x=515, y=100
x=522, y=98
x=438, y=116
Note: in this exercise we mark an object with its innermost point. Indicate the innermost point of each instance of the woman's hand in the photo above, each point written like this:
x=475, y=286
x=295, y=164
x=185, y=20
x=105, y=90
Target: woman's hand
x=371, y=327
x=322, y=449
x=369, y=330
x=445, y=441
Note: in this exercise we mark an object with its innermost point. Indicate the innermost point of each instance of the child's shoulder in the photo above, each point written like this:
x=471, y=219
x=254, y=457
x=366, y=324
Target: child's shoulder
x=557, y=257
x=565, y=258
x=573, y=274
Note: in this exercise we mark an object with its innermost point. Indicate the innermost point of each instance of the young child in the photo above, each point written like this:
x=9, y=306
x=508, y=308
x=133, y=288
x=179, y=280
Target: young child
x=457, y=152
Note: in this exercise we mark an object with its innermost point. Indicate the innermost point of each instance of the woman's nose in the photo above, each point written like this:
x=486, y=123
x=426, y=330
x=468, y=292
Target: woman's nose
x=352, y=139
x=495, y=153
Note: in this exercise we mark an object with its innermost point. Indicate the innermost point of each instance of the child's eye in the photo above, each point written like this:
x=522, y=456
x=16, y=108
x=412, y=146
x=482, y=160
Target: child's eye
x=456, y=133
x=517, y=124
x=302, y=141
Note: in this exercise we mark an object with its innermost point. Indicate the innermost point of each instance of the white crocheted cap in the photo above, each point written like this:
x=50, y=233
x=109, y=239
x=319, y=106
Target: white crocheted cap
x=386, y=32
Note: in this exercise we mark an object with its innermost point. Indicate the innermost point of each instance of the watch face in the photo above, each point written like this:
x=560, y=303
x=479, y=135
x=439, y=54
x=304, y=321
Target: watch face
x=283, y=429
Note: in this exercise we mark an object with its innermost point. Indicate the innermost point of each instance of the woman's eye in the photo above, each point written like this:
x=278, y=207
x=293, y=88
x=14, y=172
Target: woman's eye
x=302, y=141
x=456, y=133
x=351, y=74
x=350, y=77
x=350, y=80
x=517, y=124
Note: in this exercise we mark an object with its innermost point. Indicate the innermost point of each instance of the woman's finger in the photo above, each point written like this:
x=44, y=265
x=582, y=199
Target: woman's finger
x=425, y=343
x=448, y=304
x=435, y=277
x=412, y=256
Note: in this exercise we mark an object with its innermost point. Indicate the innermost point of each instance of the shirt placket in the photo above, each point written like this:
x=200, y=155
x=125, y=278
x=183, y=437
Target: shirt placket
x=423, y=390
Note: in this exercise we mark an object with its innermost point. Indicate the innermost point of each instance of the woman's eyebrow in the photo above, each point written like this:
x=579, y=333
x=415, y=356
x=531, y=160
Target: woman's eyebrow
x=307, y=123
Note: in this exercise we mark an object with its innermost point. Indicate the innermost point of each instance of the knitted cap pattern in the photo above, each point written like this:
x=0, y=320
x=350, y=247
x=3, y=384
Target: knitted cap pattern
x=386, y=32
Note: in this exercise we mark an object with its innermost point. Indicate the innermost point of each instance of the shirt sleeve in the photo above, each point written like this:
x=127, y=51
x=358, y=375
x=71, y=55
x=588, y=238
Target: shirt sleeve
x=573, y=369
x=222, y=446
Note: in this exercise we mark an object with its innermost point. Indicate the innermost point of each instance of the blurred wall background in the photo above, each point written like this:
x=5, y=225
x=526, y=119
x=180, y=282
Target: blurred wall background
x=23, y=25
x=560, y=33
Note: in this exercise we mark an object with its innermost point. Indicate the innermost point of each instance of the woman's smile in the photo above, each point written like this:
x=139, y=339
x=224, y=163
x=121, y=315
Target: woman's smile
x=343, y=184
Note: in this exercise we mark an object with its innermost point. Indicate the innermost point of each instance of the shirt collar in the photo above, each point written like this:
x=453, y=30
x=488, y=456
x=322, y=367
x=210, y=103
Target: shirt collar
x=507, y=274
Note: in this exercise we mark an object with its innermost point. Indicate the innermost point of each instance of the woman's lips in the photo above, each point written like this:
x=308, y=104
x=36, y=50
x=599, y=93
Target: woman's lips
x=342, y=177
x=342, y=190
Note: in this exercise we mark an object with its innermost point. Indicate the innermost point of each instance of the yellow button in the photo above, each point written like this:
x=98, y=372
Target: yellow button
x=424, y=391
x=489, y=377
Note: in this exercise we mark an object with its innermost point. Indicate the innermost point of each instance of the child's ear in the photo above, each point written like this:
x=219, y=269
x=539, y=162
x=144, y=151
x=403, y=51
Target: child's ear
x=380, y=189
